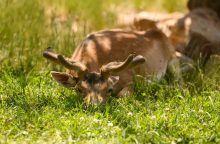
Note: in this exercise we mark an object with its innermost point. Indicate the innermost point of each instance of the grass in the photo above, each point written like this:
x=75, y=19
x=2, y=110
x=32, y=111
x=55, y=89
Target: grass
x=34, y=109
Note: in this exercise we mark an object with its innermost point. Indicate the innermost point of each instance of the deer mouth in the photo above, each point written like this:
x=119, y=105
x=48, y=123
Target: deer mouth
x=94, y=99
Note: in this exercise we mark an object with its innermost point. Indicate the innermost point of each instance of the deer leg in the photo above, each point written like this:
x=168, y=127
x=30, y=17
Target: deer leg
x=126, y=91
x=120, y=91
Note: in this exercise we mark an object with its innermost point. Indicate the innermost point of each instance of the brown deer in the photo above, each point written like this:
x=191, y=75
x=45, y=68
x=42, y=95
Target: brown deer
x=195, y=34
x=106, y=61
x=179, y=28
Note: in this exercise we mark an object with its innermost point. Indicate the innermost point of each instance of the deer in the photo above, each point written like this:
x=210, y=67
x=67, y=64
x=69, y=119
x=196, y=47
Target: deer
x=195, y=35
x=106, y=62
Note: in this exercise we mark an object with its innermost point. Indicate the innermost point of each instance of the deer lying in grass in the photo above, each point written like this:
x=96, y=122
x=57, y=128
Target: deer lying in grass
x=179, y=28
x=106, y=61
x=195, y=34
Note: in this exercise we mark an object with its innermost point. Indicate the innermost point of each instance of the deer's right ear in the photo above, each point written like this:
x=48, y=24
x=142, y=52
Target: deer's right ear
x=64, y=79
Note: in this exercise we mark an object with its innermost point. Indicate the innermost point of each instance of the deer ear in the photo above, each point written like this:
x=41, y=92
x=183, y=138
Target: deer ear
x=64, y=79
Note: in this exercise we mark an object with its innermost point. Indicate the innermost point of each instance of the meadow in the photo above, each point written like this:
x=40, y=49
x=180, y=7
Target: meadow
x=35, y=109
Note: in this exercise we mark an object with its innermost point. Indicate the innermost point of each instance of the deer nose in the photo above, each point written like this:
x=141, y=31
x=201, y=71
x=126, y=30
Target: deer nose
x=93, y=98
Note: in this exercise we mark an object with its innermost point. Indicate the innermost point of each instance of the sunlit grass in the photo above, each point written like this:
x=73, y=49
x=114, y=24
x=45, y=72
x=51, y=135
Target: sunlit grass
x=34, y=109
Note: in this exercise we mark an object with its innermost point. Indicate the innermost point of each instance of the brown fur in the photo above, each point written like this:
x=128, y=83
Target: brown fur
x=195, y=34
x=202, y=21
x=115, y=45
x=200, y=49
x=179, y=27
x=107, y=46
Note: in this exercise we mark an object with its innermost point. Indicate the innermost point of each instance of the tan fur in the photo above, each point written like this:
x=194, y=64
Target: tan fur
x=115, y=45
x=106, y=61
x=178, y=28
x=202, y=21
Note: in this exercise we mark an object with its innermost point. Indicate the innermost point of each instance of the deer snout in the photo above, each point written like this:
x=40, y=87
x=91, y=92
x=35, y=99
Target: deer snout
x=94, y=98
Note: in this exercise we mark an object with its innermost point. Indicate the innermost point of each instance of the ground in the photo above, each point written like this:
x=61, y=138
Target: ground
x=35, y=109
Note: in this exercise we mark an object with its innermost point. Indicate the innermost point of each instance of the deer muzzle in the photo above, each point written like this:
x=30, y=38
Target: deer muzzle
x=94, y=98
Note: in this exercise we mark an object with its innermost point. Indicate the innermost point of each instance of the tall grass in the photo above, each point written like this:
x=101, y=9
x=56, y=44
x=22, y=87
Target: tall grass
x=34, y=109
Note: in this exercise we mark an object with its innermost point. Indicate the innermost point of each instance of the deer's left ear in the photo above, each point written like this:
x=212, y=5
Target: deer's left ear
x=64, y=79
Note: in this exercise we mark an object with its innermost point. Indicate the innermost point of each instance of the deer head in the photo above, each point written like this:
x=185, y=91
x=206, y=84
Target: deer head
x=95, y=86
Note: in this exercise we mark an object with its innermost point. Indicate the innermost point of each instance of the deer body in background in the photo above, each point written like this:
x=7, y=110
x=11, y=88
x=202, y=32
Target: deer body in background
x=106, y=62
x=179, y=27
x=195, y=35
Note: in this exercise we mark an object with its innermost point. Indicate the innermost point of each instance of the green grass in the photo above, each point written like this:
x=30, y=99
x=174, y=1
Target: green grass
x=35, y=109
